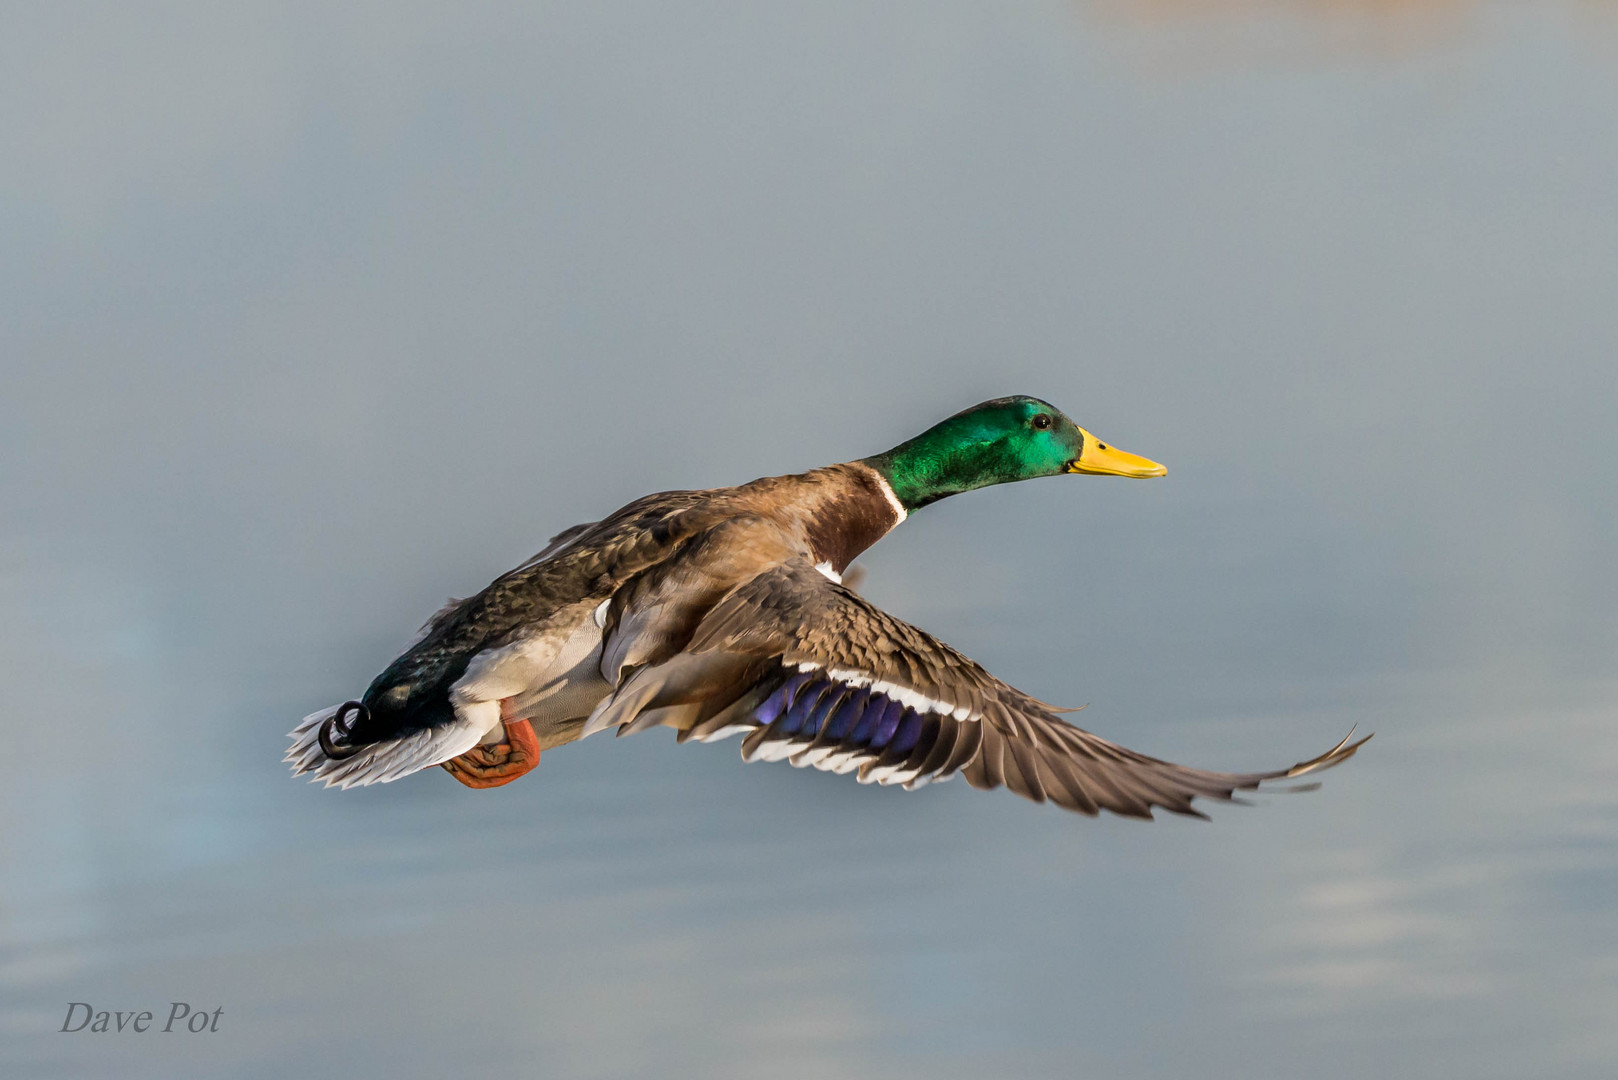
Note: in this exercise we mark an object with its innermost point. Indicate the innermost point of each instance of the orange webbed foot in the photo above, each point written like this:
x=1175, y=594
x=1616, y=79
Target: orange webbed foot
x=499, y=763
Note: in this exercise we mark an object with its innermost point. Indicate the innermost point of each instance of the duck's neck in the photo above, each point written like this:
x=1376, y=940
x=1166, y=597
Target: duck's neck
x=946, y=459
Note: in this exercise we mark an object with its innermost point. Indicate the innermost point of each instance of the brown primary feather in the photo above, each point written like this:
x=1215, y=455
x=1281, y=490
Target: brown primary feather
x=792, y=614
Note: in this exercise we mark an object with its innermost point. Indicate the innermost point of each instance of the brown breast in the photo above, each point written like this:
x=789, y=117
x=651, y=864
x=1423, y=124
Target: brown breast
x=848, y=514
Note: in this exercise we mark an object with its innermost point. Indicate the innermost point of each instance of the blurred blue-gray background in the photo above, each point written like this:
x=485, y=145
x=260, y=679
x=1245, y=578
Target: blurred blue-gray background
x=312, y=315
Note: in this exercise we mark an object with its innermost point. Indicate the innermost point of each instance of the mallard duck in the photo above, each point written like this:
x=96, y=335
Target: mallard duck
x=723, y=612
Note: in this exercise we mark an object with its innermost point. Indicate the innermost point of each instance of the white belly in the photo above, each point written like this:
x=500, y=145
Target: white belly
x=549, y=678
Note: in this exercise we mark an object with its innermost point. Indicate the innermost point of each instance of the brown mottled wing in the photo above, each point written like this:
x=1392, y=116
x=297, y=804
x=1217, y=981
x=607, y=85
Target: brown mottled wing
x=964, y=718
x=655, y=613
x=583, y=562
x=559, y=541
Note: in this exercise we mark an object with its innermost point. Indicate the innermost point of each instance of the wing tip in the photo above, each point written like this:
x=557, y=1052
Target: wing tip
x=1331, y=758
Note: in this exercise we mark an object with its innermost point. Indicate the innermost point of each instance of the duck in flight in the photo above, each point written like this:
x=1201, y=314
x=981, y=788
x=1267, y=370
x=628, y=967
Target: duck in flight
x=723, y=612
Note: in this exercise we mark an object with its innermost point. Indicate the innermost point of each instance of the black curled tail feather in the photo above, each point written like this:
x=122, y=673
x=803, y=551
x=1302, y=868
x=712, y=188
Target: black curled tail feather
x=340, y=723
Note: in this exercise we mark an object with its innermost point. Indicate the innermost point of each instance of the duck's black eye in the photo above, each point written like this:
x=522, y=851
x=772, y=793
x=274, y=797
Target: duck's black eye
x=1042, y=422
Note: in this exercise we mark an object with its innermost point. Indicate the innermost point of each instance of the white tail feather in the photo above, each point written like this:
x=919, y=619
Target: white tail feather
x=378, y=763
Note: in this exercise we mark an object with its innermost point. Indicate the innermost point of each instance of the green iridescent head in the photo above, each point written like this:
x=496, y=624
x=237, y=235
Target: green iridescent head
x=1013, y=438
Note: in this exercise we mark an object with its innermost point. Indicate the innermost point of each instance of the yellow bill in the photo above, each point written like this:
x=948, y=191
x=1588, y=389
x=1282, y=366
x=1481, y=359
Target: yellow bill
x=1099, y=459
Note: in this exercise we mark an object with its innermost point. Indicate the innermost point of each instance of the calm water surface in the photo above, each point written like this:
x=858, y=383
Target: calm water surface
x=313, y=318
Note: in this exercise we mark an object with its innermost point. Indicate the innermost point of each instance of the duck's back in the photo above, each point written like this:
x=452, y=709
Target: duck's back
x=552, y=637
